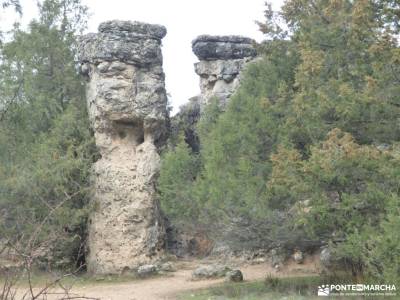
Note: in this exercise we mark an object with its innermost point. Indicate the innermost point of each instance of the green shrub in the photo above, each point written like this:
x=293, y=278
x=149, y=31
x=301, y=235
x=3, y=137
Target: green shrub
x=46, y=147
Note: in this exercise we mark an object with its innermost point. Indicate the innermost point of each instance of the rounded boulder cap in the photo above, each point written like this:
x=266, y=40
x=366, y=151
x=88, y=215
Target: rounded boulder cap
x=238, y=39
x=144, y=29
x=134, y=43
x=208, y=47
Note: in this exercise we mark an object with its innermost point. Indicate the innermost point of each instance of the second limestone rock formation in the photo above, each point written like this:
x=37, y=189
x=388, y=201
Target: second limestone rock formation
x=222, y=58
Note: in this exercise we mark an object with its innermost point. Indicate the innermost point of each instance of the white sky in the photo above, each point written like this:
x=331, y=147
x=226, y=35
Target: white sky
x=184, y=20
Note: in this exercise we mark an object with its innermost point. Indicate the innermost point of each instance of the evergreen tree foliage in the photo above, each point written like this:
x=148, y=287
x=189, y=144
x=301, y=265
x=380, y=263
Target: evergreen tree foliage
x=13, y=3
x=46, y=149
x=235, y=148
x=347, y=61
x=179, y=170
x=306, y=153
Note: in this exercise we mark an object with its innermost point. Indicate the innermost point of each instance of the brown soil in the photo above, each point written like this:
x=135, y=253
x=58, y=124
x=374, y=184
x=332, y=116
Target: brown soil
x=166, y=288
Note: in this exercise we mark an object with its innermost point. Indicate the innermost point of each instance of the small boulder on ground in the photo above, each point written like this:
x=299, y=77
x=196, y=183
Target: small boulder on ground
x=326, y=257
x=258, y=260
x=298, y=256
x=278, y=258
x=166, y=267
x=210, y=271
x=330, y=261
x=147, y=270
x=234, y=276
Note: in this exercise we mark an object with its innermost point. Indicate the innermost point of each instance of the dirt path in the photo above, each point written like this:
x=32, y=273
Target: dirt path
x=162, y=287
x=166, y=288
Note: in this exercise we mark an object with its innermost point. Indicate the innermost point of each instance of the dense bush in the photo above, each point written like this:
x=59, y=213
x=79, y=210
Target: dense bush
x=306, y=152
x=46, y=149
x=179, y=170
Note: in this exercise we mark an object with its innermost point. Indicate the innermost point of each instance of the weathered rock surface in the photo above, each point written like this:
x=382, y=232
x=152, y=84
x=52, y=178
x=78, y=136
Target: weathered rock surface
x=210, y=271
x=166, y=267
x=185, y=121
x=187, y=243
x=234, y=276
x=127, y=106
x=331, y=262
x=208, y=47
x=298, y=256
x=156, y=269
x=326, y=258
x=134, y=43
x=222, y=58
x=147, y=270
x=278, y=258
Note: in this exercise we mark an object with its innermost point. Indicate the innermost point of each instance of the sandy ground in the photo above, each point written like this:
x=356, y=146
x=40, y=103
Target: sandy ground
x=167, y=287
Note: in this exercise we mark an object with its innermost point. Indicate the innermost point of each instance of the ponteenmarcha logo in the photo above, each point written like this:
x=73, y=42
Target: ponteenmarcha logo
x=323, y=290
x=357, y=289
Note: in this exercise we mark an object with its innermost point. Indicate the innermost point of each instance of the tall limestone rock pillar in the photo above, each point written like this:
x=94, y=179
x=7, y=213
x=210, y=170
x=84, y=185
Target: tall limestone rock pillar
x=127, y=106
x=221, y=60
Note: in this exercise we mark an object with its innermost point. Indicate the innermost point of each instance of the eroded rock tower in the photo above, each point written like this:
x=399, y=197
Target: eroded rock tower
x=221, y=59
x=127, y=106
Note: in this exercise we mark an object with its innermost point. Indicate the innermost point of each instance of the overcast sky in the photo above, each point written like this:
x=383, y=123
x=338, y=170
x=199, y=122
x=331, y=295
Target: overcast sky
x=184, y=20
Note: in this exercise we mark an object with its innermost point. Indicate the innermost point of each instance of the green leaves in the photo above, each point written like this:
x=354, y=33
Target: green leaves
x=178, y=172
x=307, y=147
x=46, y=148
x=12, y=3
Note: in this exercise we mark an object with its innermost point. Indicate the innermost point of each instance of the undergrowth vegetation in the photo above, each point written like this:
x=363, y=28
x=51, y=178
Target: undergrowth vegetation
x=46, y=148
x=294, y=288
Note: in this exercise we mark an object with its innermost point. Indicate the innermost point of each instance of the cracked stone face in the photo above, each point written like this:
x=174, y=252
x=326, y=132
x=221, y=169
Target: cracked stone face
x=221, y=59
x=127, y=106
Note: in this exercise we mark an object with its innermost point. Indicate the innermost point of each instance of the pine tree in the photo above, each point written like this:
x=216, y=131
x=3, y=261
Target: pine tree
x=46, y=149
x=306, y=153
